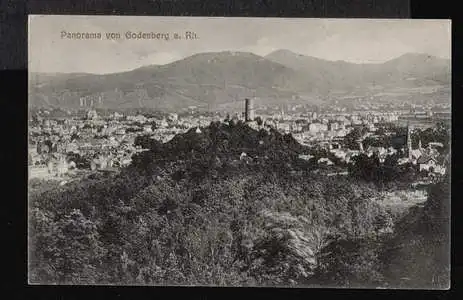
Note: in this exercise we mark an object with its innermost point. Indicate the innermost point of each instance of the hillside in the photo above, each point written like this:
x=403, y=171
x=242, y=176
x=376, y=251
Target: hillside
x=221, y=145
x=203, y=216
x=409, y=70
x=419, y=254
x=222, y=79
x=207, y=79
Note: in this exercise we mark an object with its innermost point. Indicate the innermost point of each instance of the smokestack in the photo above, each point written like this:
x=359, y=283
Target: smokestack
x=249, y=110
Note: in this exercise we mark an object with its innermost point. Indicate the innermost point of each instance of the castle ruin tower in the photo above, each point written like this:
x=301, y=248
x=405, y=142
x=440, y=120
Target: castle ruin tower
x=249, y=110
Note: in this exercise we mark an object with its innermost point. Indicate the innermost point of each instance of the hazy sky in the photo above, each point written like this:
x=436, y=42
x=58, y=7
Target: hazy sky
x=354, y=40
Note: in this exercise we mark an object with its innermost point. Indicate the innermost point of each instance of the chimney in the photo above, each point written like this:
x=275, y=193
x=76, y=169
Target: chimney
x=249, y=110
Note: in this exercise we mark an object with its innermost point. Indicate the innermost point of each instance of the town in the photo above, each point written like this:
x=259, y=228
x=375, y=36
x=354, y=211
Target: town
x=72, y=144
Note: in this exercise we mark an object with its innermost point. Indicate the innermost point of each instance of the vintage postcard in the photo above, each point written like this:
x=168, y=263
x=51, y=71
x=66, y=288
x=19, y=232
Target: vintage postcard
x=261, y=152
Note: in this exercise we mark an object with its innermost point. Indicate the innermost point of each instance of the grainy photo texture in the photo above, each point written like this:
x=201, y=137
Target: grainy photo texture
x=263, y=152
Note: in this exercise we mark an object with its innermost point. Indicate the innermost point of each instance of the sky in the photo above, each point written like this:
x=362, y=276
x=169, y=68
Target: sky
x=352, y=40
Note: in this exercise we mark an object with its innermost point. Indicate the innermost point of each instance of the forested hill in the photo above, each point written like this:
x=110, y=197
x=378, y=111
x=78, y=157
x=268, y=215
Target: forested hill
x=226, y=137
x=203, y=216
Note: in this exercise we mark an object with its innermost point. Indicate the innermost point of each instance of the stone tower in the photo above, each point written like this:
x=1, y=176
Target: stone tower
x=249, y=110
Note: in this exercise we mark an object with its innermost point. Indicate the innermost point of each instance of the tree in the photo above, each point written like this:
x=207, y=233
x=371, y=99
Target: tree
x=349, y=263
x=422, y=235
x=74, y=137
x=350, y=140
x=146, y=142
x=68, y=250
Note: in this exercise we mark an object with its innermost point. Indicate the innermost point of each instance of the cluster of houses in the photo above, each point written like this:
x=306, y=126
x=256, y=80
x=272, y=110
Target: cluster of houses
x=108, y=142
x=427, y=160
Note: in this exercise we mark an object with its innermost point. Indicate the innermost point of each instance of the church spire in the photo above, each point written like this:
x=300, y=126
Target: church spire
x=409, y=140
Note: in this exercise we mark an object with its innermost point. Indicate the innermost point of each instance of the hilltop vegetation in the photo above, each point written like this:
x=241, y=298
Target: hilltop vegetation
x=192, y=212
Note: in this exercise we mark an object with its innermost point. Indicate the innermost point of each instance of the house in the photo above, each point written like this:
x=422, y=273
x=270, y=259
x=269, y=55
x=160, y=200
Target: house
x=62, y=167
x=125, y=161
x=435, y=144
x=72, y=147
x=57, y=166
x=244, y=157
x=339, y=153
x=253, y=125
x=270, y=123
x=350, y=155
x=147, y=128
x=326, y=161
x=101, y=162
x=439, y=169
x=391, y=151
x=416, y=153
x=72, y=165
x=173, y=117
x=403, y=160
x=92, y=115
x=427, y=163
x=305, y=157
x=378, y=150
x=317, y=127
x=284, y=127
x=341, y=133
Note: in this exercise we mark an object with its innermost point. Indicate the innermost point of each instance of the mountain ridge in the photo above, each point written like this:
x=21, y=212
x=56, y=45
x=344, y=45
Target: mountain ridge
x=214, y=79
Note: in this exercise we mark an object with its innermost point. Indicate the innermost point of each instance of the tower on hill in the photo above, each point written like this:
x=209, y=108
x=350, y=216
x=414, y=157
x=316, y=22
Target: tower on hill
x=249, y=110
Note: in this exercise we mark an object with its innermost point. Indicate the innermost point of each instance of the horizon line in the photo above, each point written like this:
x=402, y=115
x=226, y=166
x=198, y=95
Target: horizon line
x=237, y=51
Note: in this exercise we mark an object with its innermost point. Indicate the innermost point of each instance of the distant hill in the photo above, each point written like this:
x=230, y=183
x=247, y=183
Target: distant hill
x=409, y=70
x=222, y=79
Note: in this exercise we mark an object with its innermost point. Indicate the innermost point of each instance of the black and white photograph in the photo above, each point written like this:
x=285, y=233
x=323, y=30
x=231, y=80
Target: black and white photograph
x=239, y=152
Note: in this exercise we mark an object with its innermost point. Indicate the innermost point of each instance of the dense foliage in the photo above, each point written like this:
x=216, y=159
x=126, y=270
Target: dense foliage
x=386, y=174
x=193, y=212
x=419, y=254
x=440, y=134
